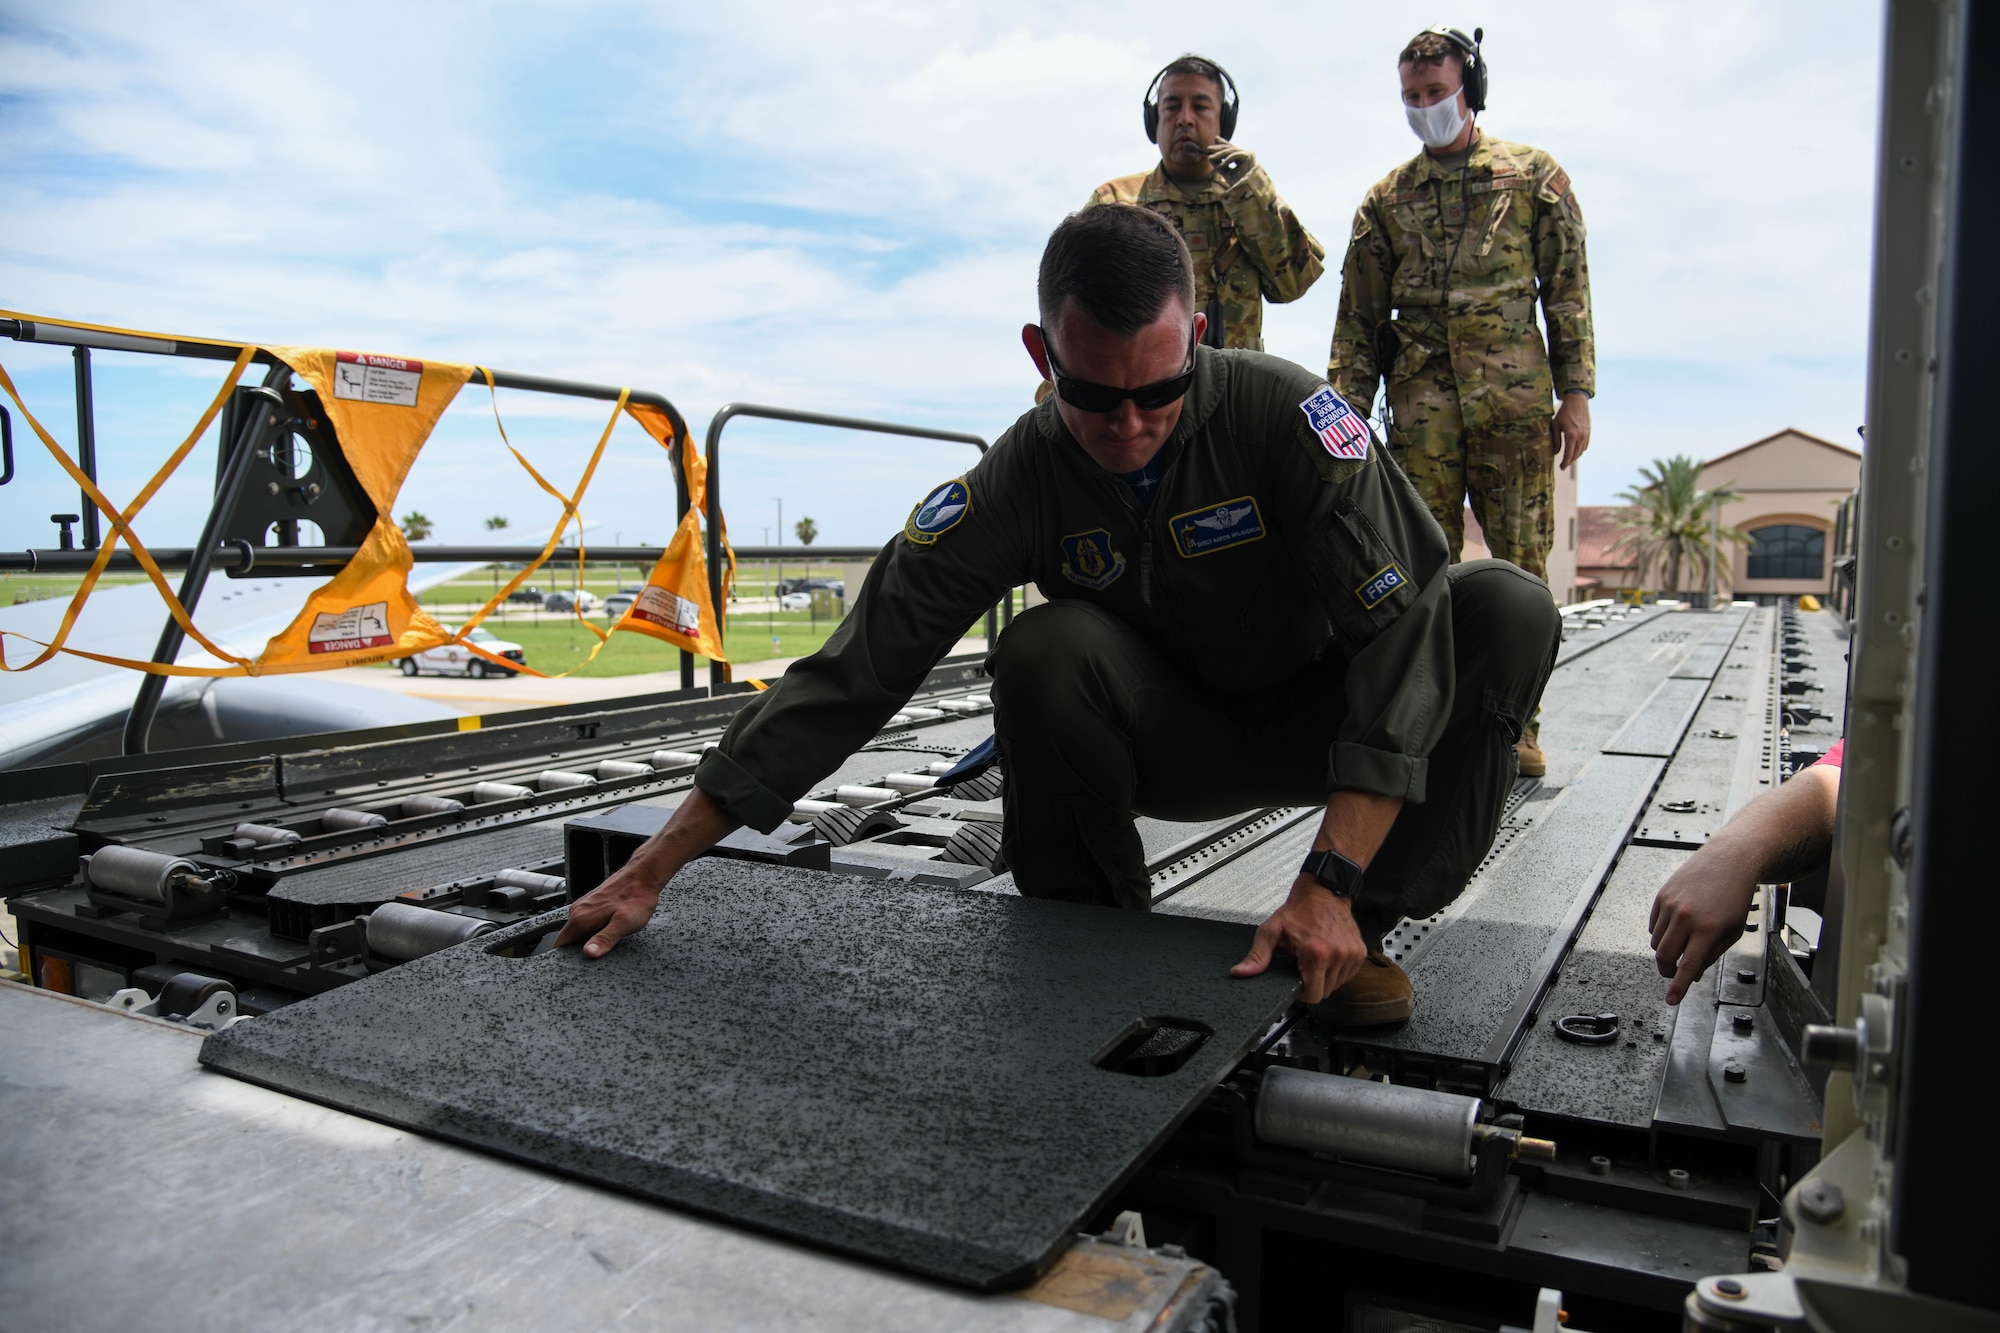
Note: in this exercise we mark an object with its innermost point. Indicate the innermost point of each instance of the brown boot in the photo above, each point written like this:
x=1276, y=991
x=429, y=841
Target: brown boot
x=1528, y=753
x=1379, y=993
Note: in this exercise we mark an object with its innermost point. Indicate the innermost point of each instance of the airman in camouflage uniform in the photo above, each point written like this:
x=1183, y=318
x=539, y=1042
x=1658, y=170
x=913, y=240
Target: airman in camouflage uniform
x=1438, y=296
x=1248, y=245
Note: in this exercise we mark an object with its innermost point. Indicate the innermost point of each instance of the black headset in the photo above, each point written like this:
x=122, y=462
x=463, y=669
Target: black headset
x=1475, y=63
x=1231, y=100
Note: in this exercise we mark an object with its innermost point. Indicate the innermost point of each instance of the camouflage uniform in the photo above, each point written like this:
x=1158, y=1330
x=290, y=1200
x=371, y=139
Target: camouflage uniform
x=1248, y=245
x=1459, y=258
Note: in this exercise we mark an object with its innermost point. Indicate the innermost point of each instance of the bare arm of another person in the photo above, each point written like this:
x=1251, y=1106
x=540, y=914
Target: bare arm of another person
x=624, y=903
x=1700, y=910
x=1315, y=925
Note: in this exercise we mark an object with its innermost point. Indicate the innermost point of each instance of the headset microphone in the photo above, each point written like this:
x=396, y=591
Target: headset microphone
x=1231, y=100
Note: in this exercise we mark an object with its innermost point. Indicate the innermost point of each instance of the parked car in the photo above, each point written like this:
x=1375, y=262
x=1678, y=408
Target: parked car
x=586, y=602
x=795, y=601
x=453, y=660
x=838, y=587
x=534, y=596
x=618, y=603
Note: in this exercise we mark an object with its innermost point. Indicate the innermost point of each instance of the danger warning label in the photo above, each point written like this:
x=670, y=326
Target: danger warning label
x=667, y=608
x=376, y=379
x=344, y=631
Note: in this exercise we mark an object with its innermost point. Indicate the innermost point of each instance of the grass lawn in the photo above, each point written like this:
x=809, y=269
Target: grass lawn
x=556, y=644
x=16, y=587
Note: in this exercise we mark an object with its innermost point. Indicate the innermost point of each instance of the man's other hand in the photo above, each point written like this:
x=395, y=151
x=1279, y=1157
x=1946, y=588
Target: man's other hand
x=1571, y=428
x=1317, y=928
x=611, y=911
x=1231, y=163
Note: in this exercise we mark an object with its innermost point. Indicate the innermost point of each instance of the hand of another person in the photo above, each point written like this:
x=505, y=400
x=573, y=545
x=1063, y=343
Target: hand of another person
x=1571, y=428
x=1317, y=928
x=1697, y=914
x=1231, y=163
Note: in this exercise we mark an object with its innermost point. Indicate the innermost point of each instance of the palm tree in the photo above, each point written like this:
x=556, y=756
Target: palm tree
x=416, y=525
x=1668, y=522
x=807, y=530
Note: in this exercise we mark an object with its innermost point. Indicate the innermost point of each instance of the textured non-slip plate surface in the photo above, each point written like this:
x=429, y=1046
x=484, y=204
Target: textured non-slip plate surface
x=895, y=1072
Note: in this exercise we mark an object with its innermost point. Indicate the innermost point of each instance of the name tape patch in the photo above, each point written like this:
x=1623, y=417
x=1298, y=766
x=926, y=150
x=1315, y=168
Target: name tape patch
x=1089, y=561
x=1339, y=427
x=1380, y=584
x=941, y=511
x=1230, y=523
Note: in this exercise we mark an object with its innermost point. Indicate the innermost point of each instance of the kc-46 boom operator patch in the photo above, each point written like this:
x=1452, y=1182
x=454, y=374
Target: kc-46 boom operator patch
x=1340, y=428
x=941, y=511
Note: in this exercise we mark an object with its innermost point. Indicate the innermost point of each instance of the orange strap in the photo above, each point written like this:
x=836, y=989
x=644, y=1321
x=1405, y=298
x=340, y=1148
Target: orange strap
x=121, y=524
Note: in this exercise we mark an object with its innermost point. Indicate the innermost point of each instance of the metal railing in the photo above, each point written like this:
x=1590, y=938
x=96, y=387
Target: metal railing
x=728, y=412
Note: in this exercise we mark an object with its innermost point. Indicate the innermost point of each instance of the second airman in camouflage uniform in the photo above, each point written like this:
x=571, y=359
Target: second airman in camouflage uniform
x=1449, y=256
x=1248, y=245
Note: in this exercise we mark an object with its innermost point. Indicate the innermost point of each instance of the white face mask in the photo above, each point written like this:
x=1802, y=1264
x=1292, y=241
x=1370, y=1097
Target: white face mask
x=1438, y=124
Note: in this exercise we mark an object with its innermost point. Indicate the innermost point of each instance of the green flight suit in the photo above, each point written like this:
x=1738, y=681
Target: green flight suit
x=1287, y=613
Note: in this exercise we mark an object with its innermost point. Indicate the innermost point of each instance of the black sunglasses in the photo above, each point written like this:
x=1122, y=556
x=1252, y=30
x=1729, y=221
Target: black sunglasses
x=1088, y=397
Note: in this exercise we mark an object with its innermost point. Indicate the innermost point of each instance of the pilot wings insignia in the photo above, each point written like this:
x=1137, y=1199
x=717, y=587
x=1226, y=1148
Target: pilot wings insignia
x=1231, y=523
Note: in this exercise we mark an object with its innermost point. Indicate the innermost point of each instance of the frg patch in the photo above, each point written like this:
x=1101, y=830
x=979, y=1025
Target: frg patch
x=1339, y=427
x=1230, y=523
x=1089, y=561
x=1380, y=584
x=941, y=511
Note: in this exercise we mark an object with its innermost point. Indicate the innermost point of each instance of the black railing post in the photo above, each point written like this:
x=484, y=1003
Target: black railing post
x=86, y=445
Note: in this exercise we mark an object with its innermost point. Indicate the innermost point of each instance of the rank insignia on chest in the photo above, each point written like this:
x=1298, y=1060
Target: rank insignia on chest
x=941, y=511
x=1340, y=428
x=1380, y=584
x=1089, y=561
x=1230, y=523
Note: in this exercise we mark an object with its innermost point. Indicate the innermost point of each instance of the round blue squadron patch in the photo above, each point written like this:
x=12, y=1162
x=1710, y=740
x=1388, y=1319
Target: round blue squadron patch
x=941, y=511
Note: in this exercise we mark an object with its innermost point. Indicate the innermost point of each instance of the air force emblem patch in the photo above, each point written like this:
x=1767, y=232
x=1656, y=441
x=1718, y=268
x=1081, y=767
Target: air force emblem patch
x=1089, y=561
x=941, y=511
x=1380, y=584
x=1230, y=523
x=1340, y=428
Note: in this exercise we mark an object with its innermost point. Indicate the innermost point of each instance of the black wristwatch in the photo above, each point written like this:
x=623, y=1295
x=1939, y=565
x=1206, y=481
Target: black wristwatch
x=1340, y=876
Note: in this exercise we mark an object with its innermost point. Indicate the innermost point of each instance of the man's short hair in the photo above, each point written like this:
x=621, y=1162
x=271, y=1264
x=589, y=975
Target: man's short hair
x=1207, y=69
x=1427, y=48
x=1120, y=263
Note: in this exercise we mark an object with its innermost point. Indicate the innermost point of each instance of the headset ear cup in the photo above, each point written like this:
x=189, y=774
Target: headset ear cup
x=1151, y=111
x=1229, y=120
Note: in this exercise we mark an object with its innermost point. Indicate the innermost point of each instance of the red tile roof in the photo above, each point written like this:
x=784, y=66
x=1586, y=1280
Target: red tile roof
x=1596, y=530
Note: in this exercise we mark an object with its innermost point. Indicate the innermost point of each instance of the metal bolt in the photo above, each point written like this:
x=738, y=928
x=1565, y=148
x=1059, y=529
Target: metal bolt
x=1730, y=1288
x=1735, y=1073
x=1677, y=1179
x=1821, y=1201
x=1600, y=1166
x=1747, y=976
x=1743, y=1023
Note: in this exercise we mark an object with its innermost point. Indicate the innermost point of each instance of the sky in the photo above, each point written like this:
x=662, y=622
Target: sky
x=840, y=209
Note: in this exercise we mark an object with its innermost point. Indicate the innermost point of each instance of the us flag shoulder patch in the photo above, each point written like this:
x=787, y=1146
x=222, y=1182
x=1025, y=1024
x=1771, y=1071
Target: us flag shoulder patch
x=1340, y=428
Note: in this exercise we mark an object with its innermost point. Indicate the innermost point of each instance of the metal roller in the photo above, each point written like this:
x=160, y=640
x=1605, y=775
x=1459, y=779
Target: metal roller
x=907, y=782
x=922, y=714
x=622, y=768
x=185, y=992
x=403, y=932
x=267, y=835
x=532, y=882
x=413, y=806
x=674, y=759
x=343, y=821
x=941, y=767
x=499, y=791
x=135, y=872
x=556, y=779
x=1410, y=1129
x=864, y=795
x=803, y=811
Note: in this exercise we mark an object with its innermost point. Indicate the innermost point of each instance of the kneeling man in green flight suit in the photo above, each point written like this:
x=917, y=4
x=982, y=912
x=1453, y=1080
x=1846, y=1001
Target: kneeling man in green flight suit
x=1249, y=605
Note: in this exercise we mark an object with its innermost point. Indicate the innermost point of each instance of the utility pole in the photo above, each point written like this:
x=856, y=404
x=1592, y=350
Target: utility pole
x=778, y=591
x=1714, y=539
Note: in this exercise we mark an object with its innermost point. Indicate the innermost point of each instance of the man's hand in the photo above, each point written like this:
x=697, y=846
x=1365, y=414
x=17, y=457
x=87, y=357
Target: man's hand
x=1570, y=431
x=1315, y=926
x=1231, y=163
x=624, y=903
x=1698, y=913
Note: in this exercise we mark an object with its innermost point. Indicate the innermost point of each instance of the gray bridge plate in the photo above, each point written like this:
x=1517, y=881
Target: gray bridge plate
x=898, y=1073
